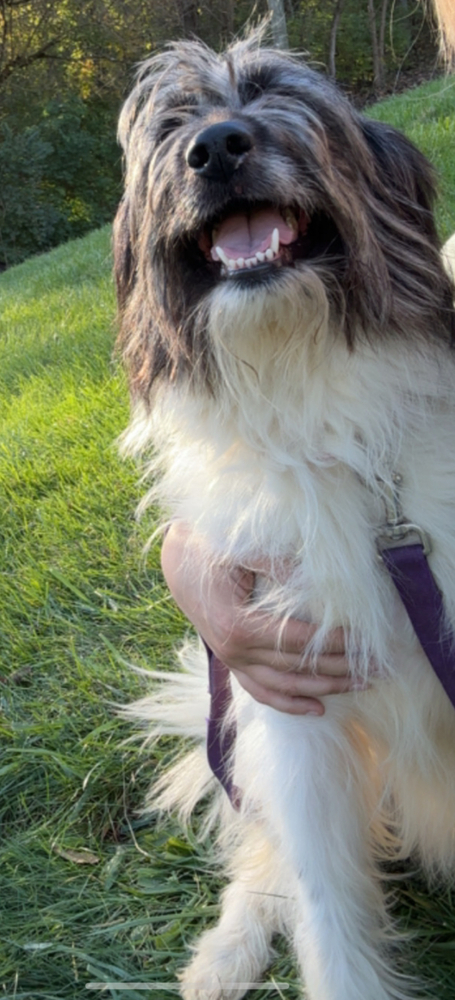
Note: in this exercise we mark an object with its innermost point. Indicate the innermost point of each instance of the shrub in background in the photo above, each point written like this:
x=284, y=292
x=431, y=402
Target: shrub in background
x=27, y=223
x=60, y=177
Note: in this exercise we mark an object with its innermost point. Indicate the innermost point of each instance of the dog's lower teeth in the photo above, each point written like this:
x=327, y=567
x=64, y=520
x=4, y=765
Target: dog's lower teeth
x=230, y=264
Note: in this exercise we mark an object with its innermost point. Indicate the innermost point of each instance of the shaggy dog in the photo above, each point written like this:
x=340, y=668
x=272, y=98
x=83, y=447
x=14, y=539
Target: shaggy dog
x=287, y=325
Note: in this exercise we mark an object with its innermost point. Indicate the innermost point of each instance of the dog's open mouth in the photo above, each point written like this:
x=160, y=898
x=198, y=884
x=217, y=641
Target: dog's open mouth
x=248, y=238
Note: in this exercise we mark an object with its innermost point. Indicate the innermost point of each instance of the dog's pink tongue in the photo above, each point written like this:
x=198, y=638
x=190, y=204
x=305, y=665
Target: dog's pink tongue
x=244, y=235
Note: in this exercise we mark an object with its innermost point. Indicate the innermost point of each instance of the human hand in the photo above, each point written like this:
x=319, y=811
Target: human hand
x=264, y=656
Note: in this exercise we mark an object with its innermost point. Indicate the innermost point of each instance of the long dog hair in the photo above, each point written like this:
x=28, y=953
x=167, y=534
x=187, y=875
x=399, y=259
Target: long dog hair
x=287, y=325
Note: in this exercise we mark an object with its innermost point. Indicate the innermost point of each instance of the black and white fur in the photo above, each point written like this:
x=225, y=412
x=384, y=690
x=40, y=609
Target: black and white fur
x=280, y=397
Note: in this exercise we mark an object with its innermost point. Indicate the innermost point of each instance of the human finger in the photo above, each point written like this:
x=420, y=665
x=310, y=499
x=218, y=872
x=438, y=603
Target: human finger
x=295, y=685
x=260, y=638
x=278, y=700
x=292, y=636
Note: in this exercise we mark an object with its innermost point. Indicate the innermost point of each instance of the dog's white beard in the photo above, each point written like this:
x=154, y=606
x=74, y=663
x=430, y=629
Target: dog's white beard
x=260, y=327
x=284, y=462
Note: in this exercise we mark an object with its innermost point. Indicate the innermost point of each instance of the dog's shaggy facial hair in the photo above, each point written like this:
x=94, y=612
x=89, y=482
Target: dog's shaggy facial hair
x=287, y=325
x=247, y=143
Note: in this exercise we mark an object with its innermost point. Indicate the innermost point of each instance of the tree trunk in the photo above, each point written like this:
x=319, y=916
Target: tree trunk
x=227, y=9
x=377, y=65
x=278, y=24
x=188, y=12
x=382, y=32
x=333, y=37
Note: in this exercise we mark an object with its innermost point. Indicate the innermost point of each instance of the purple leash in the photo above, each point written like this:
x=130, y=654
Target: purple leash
x=221, y=735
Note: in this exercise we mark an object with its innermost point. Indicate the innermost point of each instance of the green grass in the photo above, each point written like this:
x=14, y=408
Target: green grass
x=89, y=889
x=427, y=115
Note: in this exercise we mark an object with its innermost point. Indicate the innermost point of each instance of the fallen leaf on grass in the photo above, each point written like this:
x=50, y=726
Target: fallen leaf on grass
x=82, y=857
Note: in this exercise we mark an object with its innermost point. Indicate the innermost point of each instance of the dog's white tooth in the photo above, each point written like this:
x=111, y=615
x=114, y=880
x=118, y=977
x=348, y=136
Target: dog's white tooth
x=231, y=263
x=260, y=256
x=222, y=256
x=269, y=255
x=275, y=242
x=240, y=262
x=250, y=262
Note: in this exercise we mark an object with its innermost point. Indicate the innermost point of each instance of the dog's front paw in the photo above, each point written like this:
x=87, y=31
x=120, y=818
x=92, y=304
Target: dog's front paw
x=201, y=981
x=202, y=984
x=218, y=971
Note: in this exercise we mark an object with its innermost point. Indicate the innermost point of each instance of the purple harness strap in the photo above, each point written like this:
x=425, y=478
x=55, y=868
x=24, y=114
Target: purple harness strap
x=408, y=566
x=403, y=548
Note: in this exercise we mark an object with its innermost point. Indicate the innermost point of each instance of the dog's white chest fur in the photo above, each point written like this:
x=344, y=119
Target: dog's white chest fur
x=289, y=462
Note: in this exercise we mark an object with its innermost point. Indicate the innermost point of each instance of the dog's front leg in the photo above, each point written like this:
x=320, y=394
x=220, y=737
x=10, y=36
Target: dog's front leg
x=231, y=957
x=316, y=796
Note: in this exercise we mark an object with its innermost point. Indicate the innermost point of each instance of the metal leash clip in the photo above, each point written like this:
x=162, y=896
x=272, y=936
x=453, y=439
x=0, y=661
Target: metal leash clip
x=397, y=532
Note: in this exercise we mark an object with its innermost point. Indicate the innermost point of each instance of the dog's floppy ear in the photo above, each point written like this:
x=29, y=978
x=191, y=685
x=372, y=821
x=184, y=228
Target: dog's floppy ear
x=402, y=191
x=405, y=173
x=124, y=262
x=140, y=339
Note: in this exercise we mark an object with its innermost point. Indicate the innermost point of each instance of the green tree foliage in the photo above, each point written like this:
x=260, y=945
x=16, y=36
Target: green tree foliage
x=26, y=222
x=60, y=178
x=64, y=68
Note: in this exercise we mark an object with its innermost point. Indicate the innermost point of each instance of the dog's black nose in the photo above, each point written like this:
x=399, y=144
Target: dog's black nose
x=219, y=150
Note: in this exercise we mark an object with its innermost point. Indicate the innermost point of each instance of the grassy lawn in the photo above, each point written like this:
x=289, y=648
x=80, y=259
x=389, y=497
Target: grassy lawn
x=427, y=115
x=89, y=889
